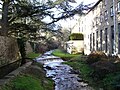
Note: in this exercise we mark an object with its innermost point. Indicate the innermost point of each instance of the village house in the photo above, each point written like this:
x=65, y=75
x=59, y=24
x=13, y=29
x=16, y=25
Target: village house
x=102, y=28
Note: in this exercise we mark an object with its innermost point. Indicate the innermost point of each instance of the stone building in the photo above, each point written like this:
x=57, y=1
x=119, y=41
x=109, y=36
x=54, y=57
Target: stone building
x=76, y=46
x=102, y=28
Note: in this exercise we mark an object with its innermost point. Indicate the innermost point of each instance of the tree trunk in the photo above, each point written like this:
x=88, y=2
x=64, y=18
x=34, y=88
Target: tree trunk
x=21, y=45
x=4, y=20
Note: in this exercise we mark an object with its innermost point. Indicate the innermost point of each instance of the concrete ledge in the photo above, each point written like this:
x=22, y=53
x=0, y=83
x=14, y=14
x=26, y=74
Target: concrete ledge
x=14, y=73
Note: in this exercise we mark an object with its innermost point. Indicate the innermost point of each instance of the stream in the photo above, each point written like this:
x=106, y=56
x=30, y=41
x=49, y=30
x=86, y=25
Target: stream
x=64, y=76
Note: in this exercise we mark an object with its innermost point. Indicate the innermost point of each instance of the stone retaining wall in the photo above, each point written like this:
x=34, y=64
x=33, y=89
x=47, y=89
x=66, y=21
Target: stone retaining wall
x=9, y=51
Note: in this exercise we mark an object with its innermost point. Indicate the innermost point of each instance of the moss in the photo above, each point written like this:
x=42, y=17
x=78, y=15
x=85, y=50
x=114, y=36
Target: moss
x=76, y=36
x=33, y=55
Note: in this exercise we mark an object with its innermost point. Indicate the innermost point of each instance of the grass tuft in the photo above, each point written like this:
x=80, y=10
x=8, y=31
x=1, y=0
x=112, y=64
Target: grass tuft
x=33, y=55
x=64, y=55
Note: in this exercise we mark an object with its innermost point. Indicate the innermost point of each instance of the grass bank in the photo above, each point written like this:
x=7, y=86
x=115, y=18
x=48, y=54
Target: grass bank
x=64, y=55
x=76, y=61
x=110, y=81
x=32, y=78
x=32, y=55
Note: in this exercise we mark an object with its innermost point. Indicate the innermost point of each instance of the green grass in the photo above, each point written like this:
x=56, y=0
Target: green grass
x=85, y=71
x=82, y=67
x=31, y=79
x=27, y=83
x=64, y=55
x=75, y=61
x=32, y=55
x=111, y=81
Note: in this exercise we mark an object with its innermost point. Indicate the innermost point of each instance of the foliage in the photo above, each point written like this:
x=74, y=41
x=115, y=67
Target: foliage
x=64, y=55
x=26, y=18
x=79, y=58
x=100, y=74
x=78, y=63
x=112, y=81
x=100, y=64
x=95, y=56
x=32, y=55
x=76, y=36
x=33, y=78
x=102, y=68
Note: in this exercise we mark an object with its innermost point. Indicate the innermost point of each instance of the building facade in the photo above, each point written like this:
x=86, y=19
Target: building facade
x=76, y=46
x=102, y=28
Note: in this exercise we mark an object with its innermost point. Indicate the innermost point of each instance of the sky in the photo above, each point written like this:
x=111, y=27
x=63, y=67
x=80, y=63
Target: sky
x=70, y=23
x=87, y=1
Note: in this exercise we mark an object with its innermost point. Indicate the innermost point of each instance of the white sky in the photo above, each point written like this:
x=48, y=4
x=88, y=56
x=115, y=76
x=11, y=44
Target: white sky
x=70, y=23
x=86, y=1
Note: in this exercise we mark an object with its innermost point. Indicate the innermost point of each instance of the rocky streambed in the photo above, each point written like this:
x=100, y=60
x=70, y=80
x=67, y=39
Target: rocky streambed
x=64, y=76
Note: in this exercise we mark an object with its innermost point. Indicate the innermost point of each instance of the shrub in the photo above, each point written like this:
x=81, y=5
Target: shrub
x=76, y=36
x=101, y=68
x=112, y=81
x=95, y=56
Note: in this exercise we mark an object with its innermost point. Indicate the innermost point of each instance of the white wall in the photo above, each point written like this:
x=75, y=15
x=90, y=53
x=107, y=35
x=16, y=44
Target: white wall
x=78, y=44
x=87, y=23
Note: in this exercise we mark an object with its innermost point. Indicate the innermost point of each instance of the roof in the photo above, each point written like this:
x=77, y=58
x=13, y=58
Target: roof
x=94, y=6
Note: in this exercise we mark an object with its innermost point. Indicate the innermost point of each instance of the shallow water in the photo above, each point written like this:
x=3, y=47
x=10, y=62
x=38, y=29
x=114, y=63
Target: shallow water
x=63, y=75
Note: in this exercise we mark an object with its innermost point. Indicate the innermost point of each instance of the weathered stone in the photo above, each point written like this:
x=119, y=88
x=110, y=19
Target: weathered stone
x=14, y=73
x=49, y=68
x=9, y=51
x=28, y=48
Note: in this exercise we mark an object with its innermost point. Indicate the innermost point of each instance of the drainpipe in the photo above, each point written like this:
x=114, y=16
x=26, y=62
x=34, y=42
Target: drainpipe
x=114, y=17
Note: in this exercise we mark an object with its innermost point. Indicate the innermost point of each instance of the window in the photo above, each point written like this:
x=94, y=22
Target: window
x=119, y=43
x=111, y=11
x=93, y=24
x=112, y=38
x=118, y=7
x=119, y=38
x=90, y=42
x=105, y=1
x=96, y=40
x=106, y=15
x=1, y=3
x=97, y=20
x=101, y=40
x=93, y=41
x=106, y=41
x=101, y=18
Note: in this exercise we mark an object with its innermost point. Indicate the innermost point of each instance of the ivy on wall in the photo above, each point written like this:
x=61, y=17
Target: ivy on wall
x=76, y=36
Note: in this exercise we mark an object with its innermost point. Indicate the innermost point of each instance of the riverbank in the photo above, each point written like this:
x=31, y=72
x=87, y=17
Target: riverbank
x=103, y=74
x=64, y=76
x=31, y=78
